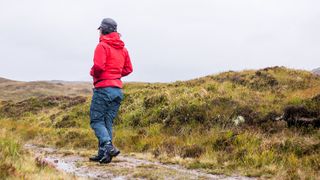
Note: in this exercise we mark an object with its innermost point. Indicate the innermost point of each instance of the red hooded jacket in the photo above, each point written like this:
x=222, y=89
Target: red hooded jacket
x=111, y=62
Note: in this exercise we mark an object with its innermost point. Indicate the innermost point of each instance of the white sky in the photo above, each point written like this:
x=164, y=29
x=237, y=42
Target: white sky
x=168, y=40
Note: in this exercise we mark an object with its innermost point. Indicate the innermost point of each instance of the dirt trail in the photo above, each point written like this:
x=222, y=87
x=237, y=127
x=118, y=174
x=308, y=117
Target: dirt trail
x=122, y=167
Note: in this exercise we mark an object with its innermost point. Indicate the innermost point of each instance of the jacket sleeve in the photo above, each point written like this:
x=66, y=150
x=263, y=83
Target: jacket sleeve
x=127, y=68
x=99, y=61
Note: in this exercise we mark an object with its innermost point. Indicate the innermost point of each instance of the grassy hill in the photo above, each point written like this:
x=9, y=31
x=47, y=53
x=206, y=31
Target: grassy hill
x=226, y=123
x=18, y=90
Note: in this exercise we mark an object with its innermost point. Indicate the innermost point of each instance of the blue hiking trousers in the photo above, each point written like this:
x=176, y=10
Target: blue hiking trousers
x=104, y=108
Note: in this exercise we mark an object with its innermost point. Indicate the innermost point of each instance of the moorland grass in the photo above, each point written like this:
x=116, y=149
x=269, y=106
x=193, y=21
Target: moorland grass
x=192, y=123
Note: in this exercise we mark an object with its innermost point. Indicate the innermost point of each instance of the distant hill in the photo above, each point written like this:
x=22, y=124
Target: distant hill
x=19, y=90
x=316, y=71
x=4, y=80
x=264, y=79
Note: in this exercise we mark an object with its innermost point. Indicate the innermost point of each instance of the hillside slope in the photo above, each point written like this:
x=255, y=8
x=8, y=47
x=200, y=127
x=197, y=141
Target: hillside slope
x=227, y=123
x=316, y=71
x=18, y=90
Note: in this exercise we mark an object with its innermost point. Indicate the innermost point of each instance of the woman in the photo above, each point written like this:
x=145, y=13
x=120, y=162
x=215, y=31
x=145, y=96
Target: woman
x=111, y=63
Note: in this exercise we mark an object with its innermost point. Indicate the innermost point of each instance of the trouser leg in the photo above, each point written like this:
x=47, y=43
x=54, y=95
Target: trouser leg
x=97, y=120
x=112, y=111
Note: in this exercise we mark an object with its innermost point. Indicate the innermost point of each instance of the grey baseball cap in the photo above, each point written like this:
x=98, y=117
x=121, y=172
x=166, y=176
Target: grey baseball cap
x=108, y=24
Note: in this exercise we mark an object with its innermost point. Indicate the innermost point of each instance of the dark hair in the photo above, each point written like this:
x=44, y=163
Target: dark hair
x=107, y=31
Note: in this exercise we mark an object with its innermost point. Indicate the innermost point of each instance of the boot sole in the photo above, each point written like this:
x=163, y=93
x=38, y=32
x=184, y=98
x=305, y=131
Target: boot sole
x=105, y=160
x=94, y=160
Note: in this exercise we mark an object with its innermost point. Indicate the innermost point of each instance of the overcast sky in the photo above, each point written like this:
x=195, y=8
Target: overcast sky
x=168, y=40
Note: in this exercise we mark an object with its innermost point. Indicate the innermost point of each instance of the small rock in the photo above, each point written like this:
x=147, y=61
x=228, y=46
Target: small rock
x=239, y=120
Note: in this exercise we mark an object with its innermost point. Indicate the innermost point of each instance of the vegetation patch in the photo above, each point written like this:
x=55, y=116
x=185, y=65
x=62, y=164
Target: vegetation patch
x=35, y=105
x=193, y=151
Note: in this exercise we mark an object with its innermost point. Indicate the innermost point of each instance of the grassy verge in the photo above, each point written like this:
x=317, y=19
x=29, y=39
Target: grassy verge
x=16, y=163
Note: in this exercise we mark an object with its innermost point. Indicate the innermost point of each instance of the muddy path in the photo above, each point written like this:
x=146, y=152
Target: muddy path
x=122, y=167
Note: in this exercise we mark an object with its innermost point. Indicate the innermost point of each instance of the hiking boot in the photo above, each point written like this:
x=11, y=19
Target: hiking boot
x=110, y=152
x=99, y=156
x=96, y=158
x=106, y=159
x=114, y=151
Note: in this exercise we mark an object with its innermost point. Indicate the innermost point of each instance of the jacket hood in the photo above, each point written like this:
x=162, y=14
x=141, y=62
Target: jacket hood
x=113, y=39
